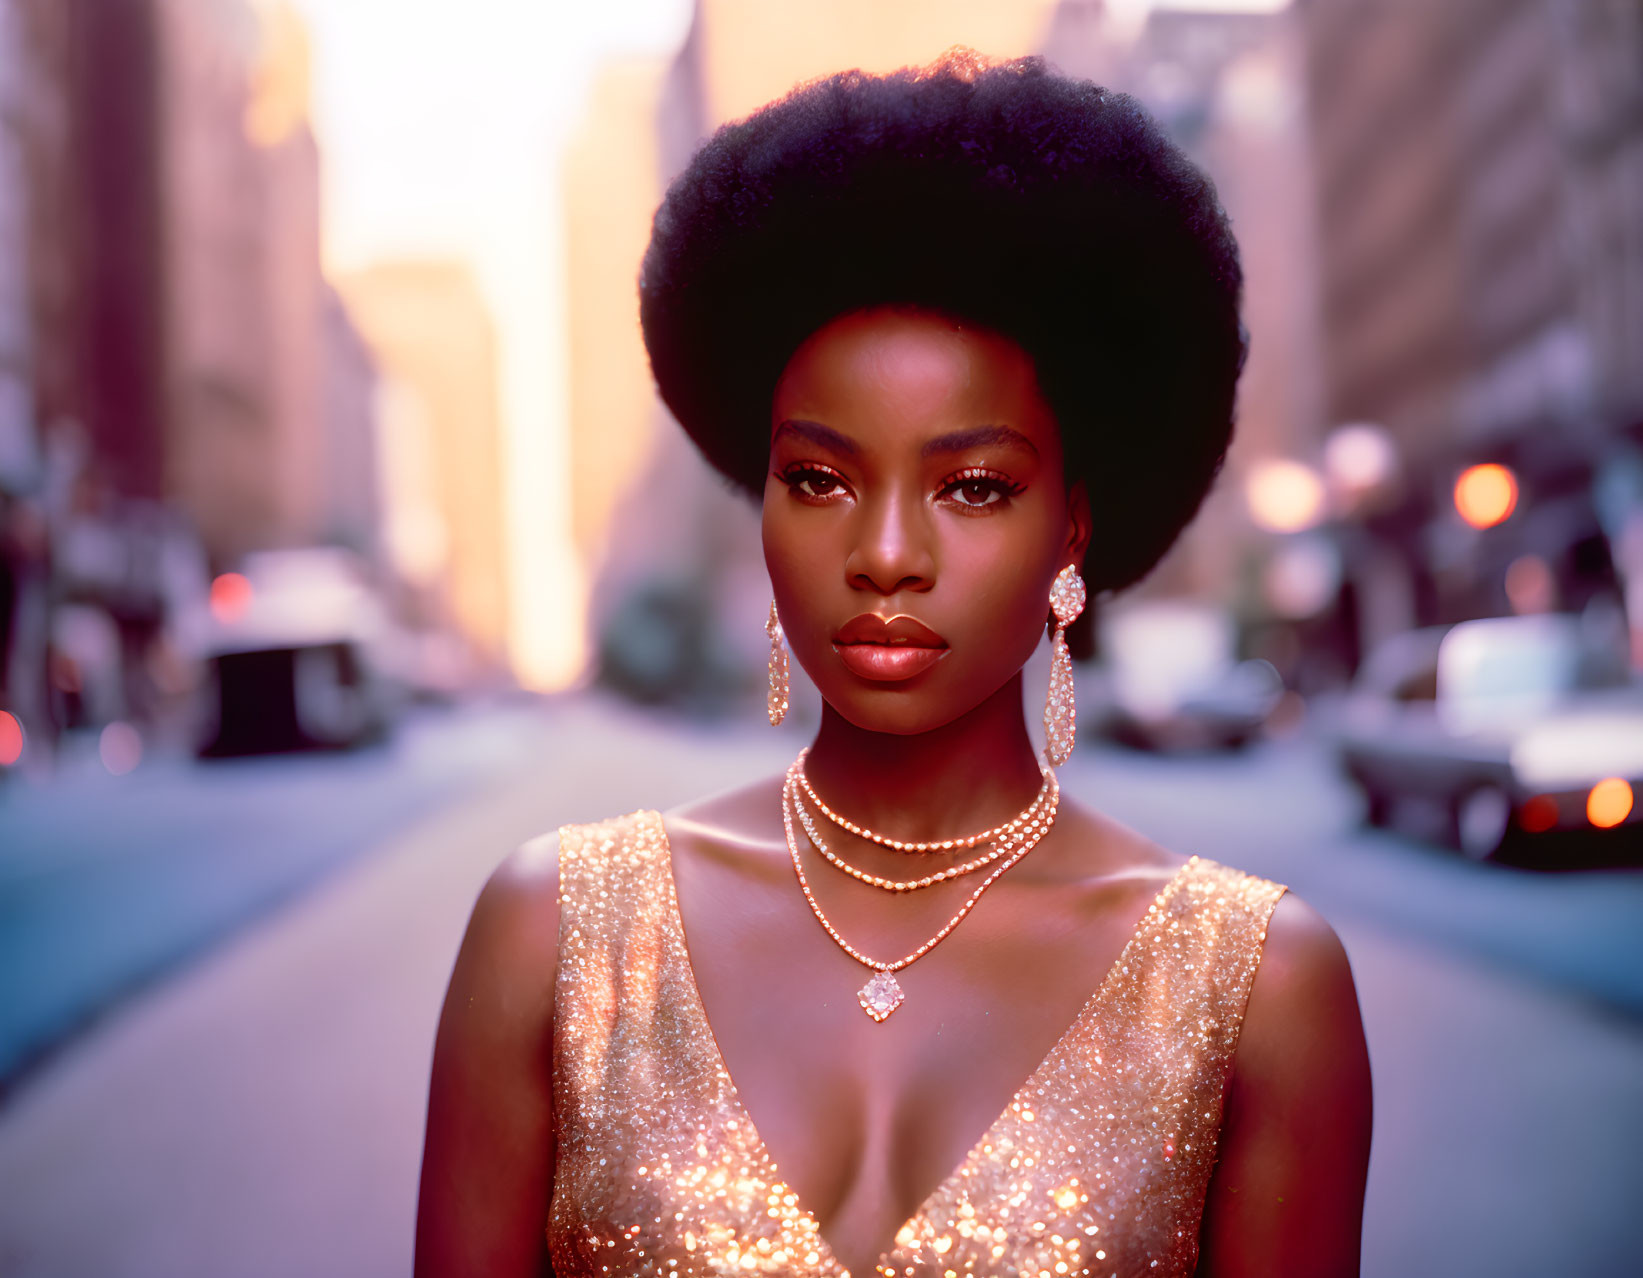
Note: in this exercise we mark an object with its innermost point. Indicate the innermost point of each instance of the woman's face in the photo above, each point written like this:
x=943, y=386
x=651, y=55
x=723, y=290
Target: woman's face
x=915, y=478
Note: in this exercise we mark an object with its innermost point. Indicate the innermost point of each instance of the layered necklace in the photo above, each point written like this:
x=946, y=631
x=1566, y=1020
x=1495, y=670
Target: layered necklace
x=1010, y=842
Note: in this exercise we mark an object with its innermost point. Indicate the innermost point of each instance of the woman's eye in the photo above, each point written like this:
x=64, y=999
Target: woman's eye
x=809, y=482
x=976, y=492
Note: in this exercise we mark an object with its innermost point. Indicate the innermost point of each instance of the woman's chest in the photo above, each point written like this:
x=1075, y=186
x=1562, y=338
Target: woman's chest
x=1100, y=1159
x=865, y=1114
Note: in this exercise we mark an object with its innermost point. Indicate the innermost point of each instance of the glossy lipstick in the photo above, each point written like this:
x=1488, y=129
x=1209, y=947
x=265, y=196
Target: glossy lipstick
x=888, y=649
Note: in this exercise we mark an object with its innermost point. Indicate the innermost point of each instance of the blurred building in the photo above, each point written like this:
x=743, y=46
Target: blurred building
x=184, y=333
x=276, y=122
x=37, y=261
x=28, y=94
x=88, y=547
x=181, y=402
x=350, y=510
x=114, y=379
x=1478, y=179
x=430, y=333
x=1480, y=197
x=222, y=356
x=18, y=443
x=612, y=175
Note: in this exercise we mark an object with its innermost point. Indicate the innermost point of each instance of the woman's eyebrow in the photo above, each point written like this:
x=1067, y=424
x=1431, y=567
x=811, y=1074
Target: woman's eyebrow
x=958, y=440
x=816, y=433
x=953, y=442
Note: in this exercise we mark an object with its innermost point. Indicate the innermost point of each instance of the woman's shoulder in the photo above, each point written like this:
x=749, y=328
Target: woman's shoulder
x=1300, y=1104
x=514, y=925
x=530, y=876
x=1302, y=1021
x=1304, y=966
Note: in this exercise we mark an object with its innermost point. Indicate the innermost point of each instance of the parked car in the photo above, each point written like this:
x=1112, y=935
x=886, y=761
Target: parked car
x=1498, y=730
x=299, y=652
x=1173, y=680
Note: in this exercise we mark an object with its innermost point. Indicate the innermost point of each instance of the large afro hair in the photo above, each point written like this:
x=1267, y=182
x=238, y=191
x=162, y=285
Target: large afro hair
x=1046, y=208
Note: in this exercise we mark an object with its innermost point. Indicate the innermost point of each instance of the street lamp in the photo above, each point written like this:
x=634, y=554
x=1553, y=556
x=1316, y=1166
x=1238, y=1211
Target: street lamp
x=1284, y=496
x=1485, y=494
x=1360, y=458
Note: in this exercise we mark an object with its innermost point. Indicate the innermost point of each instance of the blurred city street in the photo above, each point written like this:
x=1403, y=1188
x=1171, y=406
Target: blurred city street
x=260, y=1110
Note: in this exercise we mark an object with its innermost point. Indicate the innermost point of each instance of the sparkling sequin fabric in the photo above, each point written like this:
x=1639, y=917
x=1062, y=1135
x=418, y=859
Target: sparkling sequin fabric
x=1097, y=1167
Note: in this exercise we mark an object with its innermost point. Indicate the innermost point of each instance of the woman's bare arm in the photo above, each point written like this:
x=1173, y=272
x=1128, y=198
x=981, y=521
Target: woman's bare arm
x=487, y=1164
x=1286, y=1197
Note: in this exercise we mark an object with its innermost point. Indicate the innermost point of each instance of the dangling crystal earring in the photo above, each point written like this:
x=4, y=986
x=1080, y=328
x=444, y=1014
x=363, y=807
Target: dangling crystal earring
x=1060, y=712
x=776, y=698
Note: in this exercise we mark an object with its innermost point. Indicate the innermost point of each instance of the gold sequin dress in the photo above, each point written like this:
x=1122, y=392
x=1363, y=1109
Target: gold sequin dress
x=1097, y=1167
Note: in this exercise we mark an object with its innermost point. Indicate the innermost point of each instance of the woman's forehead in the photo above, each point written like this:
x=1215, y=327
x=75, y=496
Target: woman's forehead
x=901, y=375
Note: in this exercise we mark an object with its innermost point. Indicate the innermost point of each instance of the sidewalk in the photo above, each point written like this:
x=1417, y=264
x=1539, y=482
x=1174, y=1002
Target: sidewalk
x=262, y=1115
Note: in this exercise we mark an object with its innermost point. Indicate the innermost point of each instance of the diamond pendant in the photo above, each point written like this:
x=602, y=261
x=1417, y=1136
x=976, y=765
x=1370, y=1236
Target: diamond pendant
x=881, y=995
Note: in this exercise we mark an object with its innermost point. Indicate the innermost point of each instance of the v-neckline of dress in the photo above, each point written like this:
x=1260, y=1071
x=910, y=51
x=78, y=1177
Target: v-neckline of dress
x=675, y=921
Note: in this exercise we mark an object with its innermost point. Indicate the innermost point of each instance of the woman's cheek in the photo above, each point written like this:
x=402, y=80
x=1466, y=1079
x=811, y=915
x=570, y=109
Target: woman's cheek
x=792, y=562
x=778, y=537
x=1002, y=575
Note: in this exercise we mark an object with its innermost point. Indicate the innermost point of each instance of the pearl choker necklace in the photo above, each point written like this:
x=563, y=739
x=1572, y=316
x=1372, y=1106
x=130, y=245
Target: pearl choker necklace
x=1012, y=827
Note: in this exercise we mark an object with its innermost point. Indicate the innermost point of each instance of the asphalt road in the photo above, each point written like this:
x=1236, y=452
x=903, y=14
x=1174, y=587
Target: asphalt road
x=109, y=882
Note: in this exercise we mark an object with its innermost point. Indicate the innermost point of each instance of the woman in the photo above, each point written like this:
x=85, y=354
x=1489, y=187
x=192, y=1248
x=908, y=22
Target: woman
x=971, y=334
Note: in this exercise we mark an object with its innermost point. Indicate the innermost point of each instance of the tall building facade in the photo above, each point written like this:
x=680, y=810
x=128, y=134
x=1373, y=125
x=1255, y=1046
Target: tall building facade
x=183, y=333
x=40, y=218
x=612, y=176
x=1480, y=174
x=351, y=510
x=276, y=123
x=18, y=436
x=222, y=445
x=1480, y=204
x=430, y=333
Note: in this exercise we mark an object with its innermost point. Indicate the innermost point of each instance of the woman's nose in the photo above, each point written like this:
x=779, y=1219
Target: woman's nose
x=892, y=549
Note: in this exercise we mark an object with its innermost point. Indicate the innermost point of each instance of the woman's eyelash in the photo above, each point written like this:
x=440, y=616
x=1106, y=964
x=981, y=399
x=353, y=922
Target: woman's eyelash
x=793, y=476
x=990, y=480
x=1003, y=485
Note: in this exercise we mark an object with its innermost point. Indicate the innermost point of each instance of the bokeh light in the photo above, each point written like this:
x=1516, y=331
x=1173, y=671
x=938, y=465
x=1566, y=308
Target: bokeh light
x=1531, y=585
x=1486, y=494
x=11, y=739
x=1360, y=458
x=1538, y=814
x=119, y=747
x=1609, y=803
x=1285, y=496
x=230, y=596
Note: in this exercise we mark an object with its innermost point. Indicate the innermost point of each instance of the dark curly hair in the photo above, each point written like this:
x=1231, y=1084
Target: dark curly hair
x=1046, y=208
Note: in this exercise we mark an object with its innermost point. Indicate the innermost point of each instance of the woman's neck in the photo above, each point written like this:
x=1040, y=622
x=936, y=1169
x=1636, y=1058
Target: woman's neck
x=968, y=775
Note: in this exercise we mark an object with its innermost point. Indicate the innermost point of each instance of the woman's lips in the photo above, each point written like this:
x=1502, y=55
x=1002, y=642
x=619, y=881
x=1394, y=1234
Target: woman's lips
x=887, y=663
